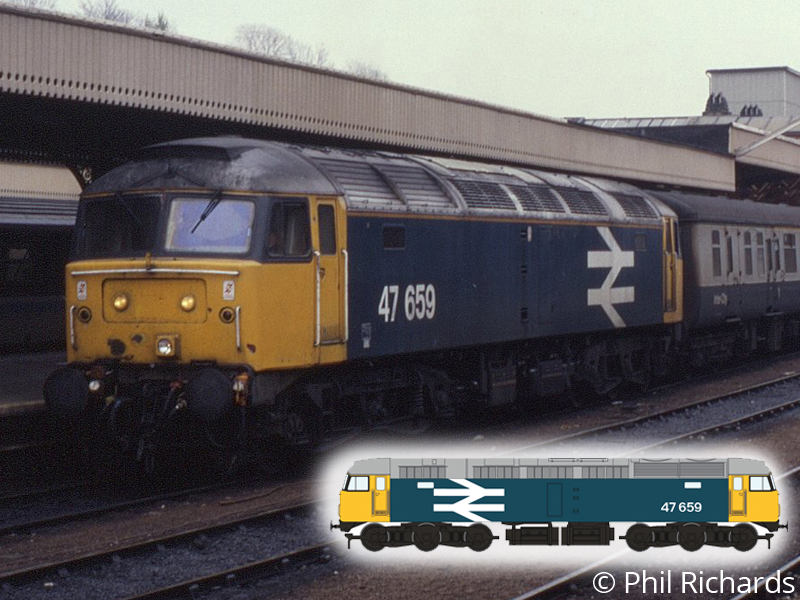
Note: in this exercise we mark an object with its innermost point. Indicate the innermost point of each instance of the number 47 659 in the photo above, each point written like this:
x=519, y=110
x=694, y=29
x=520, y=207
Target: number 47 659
x=684, y=507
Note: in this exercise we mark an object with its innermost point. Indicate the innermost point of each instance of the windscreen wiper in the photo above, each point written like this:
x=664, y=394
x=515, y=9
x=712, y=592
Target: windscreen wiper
x=212, y=204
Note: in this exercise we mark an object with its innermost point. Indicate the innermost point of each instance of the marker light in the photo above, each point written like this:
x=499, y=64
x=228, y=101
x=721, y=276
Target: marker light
x=121, y=302
x=188, y=302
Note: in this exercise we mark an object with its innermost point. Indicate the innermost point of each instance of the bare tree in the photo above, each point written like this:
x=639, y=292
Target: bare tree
x=367, y=70
x=159, y=22
x=106, y=9
x=40, y=4
x=270, y=41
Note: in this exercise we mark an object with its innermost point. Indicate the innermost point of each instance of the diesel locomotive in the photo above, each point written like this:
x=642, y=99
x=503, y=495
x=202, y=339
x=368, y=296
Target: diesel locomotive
x=432, y=502
x=251, y=294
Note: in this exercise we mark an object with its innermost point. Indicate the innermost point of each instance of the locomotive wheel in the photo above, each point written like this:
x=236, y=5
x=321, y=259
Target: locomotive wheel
x=478, y=537
x=744, y=537
x=639, y=537
x=426, y=536
x=374, y=537
x=691, y=537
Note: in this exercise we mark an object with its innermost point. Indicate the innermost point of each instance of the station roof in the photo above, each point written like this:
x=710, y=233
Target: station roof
x=96, y=90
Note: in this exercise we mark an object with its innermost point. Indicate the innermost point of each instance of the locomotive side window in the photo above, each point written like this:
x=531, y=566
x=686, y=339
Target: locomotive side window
x=206, y=225
x=716, y=253
x=737, y=484
x=748, y=253
x=327, y=229
x=760, y=484
x=358, y=484
x=394, y=237
x=289, y=233
x=790, y=252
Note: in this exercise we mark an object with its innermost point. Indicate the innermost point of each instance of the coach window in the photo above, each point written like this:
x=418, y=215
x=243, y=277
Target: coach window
x=748, y=253
x=729, y=248
x=289, y=234
x=760, y=253
x=790, y=252
x=716, y=253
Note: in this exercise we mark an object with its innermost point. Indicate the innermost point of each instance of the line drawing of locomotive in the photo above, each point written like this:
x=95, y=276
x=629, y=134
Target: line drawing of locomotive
x=240, y=294
x=431, y=502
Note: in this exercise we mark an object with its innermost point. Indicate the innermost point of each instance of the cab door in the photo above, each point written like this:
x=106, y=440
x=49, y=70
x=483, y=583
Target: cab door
x=380, y=496
x=738, y=496
x=330, y=272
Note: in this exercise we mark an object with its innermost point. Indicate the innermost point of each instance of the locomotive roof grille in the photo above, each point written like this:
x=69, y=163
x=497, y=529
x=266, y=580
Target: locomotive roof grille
x=361, y=182
x=484, y=195
x=581, y=202
x=416, y=186
x=635, y=206
x=537, y=198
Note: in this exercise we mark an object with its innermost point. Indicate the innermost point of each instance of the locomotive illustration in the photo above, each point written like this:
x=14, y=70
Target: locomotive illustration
x=432, y=502
x=237, y=295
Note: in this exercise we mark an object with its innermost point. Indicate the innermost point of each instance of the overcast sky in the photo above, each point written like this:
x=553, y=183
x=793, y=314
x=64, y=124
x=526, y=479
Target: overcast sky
x=562, y=58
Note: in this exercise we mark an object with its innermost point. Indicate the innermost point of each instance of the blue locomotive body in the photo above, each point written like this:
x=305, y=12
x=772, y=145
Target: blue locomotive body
x=461, y=282
x=543, y=500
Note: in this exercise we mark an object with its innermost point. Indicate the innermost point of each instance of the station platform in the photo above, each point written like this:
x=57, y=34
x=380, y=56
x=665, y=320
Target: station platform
x=22, y=378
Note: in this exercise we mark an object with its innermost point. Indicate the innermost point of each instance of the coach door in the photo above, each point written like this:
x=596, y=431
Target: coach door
x=330, y=258
x=670, y=270
x=738, y=496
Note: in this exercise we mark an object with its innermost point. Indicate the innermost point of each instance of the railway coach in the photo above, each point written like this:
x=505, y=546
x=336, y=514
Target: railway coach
x=240, y=293
x=428, y=502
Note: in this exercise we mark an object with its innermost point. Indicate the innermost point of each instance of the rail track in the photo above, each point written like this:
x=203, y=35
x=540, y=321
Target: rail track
x=721, y=399
x=151, y=544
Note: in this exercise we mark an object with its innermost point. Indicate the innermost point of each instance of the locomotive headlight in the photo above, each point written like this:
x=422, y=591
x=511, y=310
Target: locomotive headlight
x=167, y=345
x=121, y=302
x=95, y=385
x=84, y=314
x=188, y=302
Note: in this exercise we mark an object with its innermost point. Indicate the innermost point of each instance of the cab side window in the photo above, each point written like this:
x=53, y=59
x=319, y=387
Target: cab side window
x=760, y=484
x=289, y=232
x=358, y=484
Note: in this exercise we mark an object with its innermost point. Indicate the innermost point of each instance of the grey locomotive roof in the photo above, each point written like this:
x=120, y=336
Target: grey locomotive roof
x=705, y=209
x=464, y=468
x=374, y=181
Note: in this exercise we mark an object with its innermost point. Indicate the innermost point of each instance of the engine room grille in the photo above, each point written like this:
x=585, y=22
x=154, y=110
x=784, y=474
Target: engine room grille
x=684, y=470
x=426, y=472
x=484, y=194
x=495, y=472
x=360, y=181
x=581, y=202
x=705, y=469
x=537, y=198
x=635, y=206
x=416, y=186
